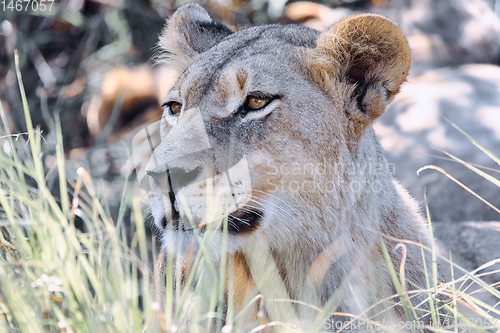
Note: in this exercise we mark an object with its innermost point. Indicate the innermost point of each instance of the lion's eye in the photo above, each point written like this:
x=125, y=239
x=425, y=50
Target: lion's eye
x=173, y=107
x=256, y=103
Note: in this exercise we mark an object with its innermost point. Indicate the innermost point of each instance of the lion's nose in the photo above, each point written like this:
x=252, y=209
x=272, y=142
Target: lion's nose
x=160, y=175
x=181, y=178
x=176, y=178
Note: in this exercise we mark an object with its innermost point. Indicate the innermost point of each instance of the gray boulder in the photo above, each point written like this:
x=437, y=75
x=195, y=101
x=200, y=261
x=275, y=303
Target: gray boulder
x=414, y=132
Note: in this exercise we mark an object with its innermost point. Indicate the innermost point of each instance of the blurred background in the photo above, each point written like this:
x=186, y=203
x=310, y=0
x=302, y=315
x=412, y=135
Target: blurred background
x=89, y=62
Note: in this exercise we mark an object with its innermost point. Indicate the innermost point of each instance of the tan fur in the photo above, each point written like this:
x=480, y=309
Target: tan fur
x=366, y=45
x=322, y=210
x=239, y=274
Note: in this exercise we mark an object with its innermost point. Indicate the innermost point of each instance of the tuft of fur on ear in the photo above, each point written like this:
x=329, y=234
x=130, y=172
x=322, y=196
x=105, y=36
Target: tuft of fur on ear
x=189, y=32
x=367, y=57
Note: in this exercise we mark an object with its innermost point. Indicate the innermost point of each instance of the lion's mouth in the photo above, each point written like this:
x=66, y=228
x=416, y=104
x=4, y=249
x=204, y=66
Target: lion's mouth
x=243, y=221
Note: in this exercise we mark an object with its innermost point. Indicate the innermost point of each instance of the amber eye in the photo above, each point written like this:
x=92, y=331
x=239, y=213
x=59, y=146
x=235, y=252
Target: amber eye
x=173, y=107
x=256, y=103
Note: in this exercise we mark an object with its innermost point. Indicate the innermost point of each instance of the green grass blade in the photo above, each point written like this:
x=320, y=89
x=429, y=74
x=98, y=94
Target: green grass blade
x=483, y=174
x=476, y=143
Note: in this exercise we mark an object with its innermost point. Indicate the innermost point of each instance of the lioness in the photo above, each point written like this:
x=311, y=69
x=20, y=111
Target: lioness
x=267, y=136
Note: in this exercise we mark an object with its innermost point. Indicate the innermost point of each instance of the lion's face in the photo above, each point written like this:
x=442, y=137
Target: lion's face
x=255, y=115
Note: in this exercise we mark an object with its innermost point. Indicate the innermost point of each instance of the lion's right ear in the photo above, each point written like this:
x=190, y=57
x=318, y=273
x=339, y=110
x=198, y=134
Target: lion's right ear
x=190, y=31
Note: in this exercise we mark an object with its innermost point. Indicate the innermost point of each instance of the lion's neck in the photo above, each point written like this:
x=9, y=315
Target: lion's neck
x=315, y=239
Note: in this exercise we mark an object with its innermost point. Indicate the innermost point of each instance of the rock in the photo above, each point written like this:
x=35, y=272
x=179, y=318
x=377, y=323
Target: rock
x=414, y=132
x=470, y=245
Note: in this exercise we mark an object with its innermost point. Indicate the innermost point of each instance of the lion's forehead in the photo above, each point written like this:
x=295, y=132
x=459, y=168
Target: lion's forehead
x=265, y=47
x=265, y=37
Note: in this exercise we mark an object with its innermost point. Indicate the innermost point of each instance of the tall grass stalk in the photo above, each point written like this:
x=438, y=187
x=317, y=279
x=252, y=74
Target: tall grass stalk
x=104, y=277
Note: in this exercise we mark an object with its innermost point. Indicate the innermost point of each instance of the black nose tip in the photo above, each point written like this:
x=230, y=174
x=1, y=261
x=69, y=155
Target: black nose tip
x=180, y=178
x=177, y=177
x=158, y=175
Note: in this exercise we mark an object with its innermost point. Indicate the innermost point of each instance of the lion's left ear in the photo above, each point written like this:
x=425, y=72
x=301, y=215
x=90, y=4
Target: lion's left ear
x=366, y=57
x=190, y=31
